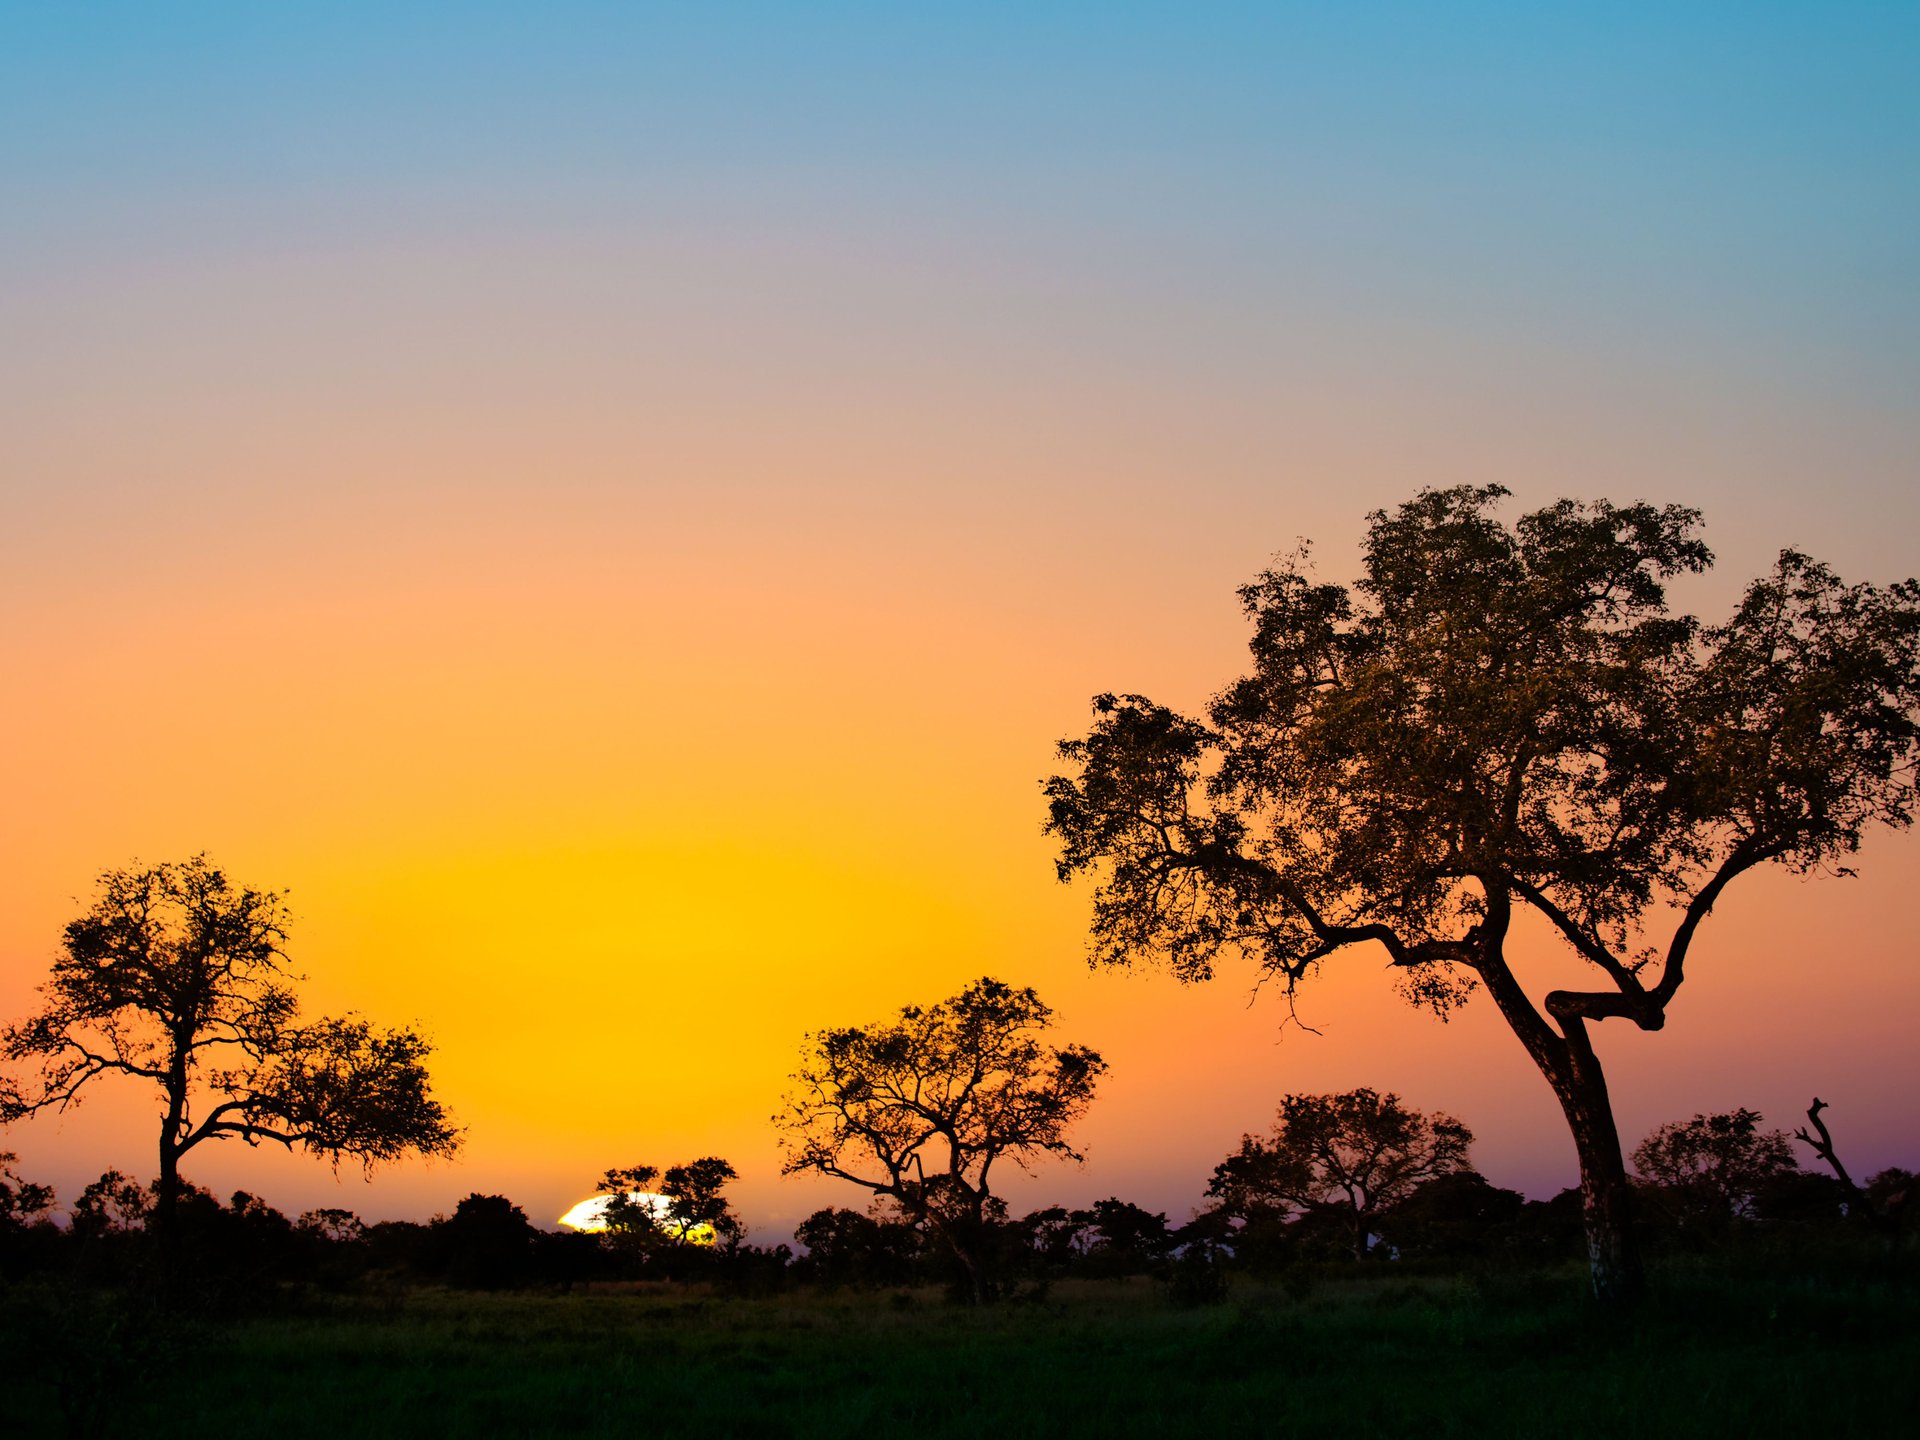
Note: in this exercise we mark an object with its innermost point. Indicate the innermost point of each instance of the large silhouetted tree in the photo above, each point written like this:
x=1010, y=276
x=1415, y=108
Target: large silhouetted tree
x=1495, y=719
x=177, y=977
x=1348, y=1156
x=921, y=1110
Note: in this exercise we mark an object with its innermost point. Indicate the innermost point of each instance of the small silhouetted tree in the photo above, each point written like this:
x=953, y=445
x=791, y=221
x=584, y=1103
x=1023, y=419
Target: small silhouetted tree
x=486, y=1244
x=1350, y=1156
x=1110, y=1237
x=696, y=1197
x=1890, y=1194
x=672, y=1222
x=1122, y=1238
x=1495, y=720
x=26, y=1220
x=1052, y=1239
x=22, y=1202
x=692, y=1209
x=331, y=1225
x=845, y=1247
x=1711, y=1169
x=176, y=977
x=106, y=1229
x=111, y=1205
x=1454, y=1216
x=334, y=1244
x=921, y=1110
x=1201, y=1249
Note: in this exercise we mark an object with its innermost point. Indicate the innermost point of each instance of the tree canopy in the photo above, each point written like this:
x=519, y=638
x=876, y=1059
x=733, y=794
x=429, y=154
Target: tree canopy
x=1714, y=1167
x=177, y=977
x=919, y=1112
x=1351, y=1156
x=657, y=1213
x=22, y=1202
x=1495, y=718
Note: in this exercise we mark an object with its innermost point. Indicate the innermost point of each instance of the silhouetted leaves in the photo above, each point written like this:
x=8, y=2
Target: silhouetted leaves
x=919, y=1111
x=177, y=977
x=669, y=1219
x=1712, y=1169
x=1353, y=1156
x=1495, y=718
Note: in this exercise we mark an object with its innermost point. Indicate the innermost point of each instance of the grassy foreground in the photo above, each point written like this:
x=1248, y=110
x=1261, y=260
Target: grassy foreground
x=1714, y=1354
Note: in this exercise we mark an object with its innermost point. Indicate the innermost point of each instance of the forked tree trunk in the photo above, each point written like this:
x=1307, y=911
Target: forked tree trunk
x=166, y=1189
x=1570, y=1066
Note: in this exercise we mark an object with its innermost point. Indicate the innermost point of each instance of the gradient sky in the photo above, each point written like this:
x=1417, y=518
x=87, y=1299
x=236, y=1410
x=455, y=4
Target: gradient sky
x=611, y=505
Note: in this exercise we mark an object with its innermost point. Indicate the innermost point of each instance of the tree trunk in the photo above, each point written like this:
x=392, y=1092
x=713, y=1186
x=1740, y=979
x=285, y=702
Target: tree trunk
x=166, y=1190
x=966, y=1249
x=1567, y=1060
x=163, y=1229
x=966, y=1241
x=167, y=1186
x=1606, y=1196
x=976, y=1279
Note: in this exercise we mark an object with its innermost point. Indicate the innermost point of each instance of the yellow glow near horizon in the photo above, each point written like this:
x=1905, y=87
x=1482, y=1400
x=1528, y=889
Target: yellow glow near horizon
x=628, y=593
x=589, y=1217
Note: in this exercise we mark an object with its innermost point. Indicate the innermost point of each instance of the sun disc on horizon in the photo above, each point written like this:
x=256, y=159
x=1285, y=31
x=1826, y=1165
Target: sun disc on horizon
x=589, y=1217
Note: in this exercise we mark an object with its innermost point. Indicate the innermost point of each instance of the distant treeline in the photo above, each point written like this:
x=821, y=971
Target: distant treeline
x=1713, y=1182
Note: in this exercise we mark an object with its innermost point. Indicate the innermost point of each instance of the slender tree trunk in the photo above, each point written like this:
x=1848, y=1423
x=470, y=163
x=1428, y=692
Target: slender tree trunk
x=166, y=1191
x=1606, y=1196
x=967, y=1249
x=1606, y=1201
x=166, y=1198
x=966, y=1242
x=163, y=1228
x=1567, y=1060
x=976, y=1279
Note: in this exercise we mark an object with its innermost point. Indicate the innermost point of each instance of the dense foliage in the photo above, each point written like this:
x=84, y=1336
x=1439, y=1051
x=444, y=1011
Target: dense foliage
x=1493, y=719
x=918, y=1112
x=176, y=977
x=1349, y=1158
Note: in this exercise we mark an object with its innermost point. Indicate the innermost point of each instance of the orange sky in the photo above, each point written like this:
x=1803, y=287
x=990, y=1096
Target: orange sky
x=619, y=804
x=622, y=567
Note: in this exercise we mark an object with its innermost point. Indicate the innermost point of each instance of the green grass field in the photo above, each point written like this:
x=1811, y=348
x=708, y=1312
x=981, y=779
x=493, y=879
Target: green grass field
x=1774, y=1353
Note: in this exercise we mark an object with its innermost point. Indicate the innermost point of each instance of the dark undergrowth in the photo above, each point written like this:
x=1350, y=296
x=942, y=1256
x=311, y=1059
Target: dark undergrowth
x=1772, y=1349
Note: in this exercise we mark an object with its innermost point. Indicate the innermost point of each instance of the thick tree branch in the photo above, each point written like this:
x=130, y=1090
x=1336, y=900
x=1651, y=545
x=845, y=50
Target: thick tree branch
x=1582, y=940
x=1744, y=856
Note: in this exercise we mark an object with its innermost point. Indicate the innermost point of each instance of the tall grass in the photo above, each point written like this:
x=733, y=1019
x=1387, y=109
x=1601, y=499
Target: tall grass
x=1718, y=1351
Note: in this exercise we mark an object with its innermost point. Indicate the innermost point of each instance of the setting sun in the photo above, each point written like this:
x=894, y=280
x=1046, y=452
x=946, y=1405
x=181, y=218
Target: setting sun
x=589, y=1217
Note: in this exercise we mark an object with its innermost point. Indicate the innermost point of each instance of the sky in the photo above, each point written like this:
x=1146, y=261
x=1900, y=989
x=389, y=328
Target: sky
x=611, y=506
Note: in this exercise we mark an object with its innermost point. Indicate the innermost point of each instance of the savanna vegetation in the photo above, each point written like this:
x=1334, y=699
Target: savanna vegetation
x=1780, y=1297
x=1491, y=719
